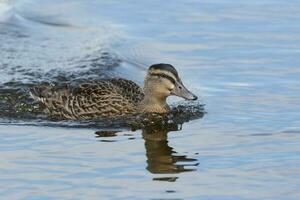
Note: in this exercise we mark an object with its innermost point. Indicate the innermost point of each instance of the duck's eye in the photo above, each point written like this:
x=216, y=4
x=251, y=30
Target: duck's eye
x=180, y=87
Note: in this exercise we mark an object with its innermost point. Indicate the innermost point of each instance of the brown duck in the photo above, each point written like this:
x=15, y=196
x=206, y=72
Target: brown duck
x=114, y=97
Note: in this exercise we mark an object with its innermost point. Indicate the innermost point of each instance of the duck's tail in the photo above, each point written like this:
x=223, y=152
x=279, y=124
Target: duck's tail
x=35, y=93
x=39, y=93
x=55, y=100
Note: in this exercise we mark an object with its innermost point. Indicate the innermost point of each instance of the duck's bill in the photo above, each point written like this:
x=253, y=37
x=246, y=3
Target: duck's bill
x=181, y=91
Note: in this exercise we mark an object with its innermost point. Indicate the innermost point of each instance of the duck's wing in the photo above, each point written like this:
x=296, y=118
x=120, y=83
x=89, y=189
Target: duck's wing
x=90, y=100
x=129, y=89
x=101, y=99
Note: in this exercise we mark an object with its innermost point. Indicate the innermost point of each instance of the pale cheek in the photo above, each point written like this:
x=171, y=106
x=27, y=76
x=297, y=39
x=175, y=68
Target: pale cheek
x=171, y=89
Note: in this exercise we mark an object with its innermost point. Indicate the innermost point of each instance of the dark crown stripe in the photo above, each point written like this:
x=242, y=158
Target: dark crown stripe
x=164, y=67
x=164, y=76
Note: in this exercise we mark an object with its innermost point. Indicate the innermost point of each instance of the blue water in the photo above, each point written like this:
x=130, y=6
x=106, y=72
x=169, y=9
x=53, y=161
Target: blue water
x=239, y=57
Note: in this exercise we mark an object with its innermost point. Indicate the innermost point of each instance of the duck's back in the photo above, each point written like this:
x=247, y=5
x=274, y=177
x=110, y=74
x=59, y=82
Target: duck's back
x=107, y=98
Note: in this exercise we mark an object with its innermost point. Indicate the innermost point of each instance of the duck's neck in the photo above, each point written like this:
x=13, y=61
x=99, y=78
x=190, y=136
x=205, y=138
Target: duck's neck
x=153, y=103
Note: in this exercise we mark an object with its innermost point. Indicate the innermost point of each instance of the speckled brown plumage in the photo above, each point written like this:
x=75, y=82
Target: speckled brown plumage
x=107, y=98
x=114, y=97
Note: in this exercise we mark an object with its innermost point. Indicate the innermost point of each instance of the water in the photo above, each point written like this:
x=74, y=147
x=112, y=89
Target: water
x=240, y=57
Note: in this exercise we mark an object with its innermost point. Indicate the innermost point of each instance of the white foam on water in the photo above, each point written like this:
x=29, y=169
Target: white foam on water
x=6, y=9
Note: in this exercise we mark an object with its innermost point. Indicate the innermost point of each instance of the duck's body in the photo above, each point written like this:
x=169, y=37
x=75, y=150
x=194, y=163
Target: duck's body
x=106, y=98
x=113, y=97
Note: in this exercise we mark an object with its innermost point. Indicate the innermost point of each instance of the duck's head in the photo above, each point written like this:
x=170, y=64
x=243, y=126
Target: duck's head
x=162, y=80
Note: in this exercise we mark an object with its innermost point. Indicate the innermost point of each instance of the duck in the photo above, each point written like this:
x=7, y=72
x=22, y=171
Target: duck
x=113, y=97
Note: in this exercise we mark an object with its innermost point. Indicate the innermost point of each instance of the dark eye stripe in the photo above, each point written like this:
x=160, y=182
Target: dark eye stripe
x=164, y=76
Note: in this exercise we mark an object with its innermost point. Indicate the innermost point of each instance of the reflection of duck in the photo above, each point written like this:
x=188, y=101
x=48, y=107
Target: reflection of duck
x=161, y=157
x=114, y=97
